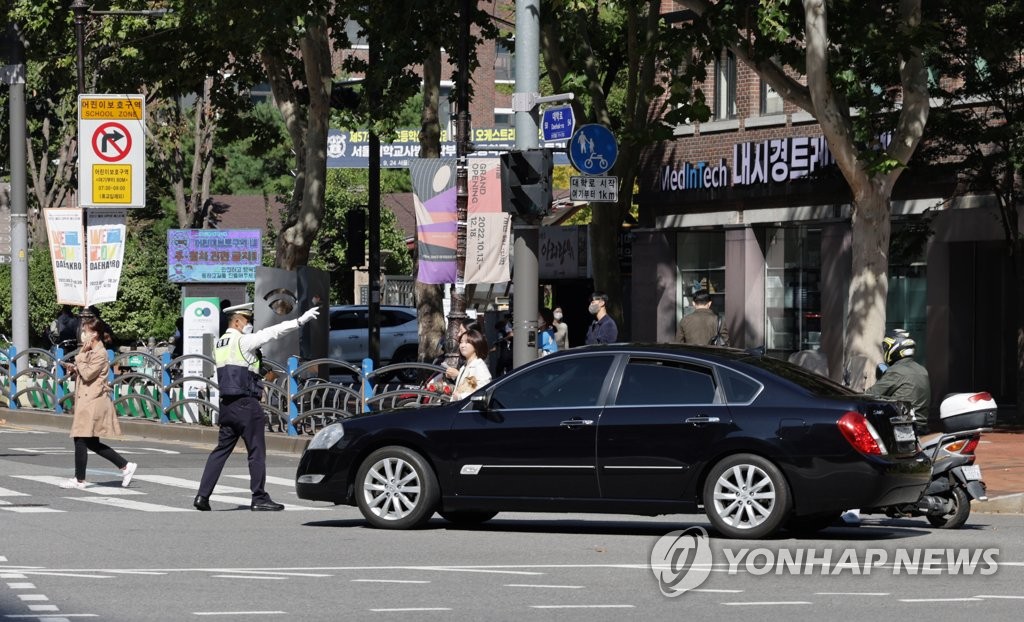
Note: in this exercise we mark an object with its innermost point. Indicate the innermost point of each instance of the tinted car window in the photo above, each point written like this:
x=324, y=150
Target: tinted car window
x=347, y=320
x=568, y=382
x=815, y=383
x=738, y=389
x=391, y=317
x=656, y=382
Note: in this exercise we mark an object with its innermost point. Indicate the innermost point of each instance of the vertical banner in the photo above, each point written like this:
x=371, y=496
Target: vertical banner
x=433, y=186
x=488, y=230
x=67, y=254
x=201, y=325
x=106, y=236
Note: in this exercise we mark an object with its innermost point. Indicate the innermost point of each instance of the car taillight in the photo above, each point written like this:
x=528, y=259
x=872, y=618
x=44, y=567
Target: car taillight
x=963, y=446
x=984, y=396
x=860, y=433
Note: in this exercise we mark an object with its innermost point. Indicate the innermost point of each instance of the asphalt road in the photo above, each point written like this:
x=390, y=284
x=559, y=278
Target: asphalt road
x=142, y=553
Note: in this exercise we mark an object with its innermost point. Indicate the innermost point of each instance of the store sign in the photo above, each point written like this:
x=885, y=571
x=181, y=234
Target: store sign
x=772, y=161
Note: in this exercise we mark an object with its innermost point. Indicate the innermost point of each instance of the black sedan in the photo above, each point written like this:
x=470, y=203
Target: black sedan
x=758, y=443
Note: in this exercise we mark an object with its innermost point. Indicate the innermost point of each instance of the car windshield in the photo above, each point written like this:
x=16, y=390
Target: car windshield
x=815, y=383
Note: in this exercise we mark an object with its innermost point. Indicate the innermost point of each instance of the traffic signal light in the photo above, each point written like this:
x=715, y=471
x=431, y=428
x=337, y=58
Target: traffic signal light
x=526, y=182
x=355, y=234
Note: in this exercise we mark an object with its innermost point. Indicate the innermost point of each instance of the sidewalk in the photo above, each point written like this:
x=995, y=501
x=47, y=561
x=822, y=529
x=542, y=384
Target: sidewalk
x=1000, y=454
x=1001, y=458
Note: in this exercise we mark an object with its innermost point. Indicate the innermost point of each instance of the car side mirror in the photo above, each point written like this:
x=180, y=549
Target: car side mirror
x=479, y=402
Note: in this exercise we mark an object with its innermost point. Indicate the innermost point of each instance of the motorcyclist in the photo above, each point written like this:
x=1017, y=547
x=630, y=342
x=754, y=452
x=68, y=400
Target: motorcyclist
x=904, y=378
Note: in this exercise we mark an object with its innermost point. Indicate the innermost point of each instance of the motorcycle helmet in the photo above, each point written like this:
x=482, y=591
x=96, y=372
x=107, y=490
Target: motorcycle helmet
x=897, y=345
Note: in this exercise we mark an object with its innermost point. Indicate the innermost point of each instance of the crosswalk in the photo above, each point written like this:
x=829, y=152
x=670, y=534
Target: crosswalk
x=39, y=494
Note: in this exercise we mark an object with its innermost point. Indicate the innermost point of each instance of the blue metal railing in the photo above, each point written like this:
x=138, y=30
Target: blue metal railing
x=299, y=397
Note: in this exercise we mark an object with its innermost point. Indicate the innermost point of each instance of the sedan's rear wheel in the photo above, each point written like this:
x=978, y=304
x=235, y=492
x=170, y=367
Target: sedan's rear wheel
x=396, y=489
x=746, y=496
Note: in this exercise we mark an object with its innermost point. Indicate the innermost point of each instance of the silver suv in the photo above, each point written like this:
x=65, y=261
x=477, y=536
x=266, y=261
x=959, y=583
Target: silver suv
x=349, y=338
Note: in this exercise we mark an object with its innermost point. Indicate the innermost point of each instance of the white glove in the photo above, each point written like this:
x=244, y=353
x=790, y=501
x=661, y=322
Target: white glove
x=309, y=316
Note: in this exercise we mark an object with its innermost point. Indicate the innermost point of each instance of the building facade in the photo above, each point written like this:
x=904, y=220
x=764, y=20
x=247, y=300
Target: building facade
x=751, y=207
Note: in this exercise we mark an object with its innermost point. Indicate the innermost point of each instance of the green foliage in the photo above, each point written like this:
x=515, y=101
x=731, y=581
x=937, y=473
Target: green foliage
x=348, y=189
x=42, y=297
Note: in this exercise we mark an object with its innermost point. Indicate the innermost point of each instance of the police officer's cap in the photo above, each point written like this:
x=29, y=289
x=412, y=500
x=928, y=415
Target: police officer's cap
x=242, y=309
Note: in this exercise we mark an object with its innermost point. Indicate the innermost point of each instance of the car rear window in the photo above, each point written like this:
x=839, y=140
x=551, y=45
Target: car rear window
x=815, y=383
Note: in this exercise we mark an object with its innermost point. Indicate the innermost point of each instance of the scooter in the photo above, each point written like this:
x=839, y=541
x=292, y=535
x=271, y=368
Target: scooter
x=955, y=480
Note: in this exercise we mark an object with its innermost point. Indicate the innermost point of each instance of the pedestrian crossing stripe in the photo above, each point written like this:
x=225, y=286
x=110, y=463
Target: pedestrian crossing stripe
x=131, y=504
x=93, y=488
x=111, y=494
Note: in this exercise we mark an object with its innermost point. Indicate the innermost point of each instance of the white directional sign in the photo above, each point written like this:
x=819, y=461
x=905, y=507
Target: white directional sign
x=594, y=188
x=112, y=150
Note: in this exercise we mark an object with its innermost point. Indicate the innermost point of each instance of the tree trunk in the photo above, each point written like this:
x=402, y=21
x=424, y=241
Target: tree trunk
x=430, y=297
x=869, y=283
x=299, y=231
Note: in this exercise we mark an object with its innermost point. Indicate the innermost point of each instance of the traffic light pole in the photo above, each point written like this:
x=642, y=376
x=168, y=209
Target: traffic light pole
x=14, y=75
x=525, y=280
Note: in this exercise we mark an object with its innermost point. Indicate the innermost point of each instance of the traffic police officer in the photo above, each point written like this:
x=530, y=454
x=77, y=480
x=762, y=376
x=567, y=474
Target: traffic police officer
x=241, y=415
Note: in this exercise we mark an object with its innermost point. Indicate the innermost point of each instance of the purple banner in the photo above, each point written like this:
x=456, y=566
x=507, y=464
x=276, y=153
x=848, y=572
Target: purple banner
x=213, y=255
x=433, y=186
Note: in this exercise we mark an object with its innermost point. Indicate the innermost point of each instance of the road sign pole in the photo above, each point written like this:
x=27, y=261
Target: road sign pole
x=14, y=75
x=525, y=281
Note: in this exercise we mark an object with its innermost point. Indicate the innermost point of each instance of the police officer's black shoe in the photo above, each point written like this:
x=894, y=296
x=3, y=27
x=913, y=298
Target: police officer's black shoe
x=201, y=503
x=266, y=506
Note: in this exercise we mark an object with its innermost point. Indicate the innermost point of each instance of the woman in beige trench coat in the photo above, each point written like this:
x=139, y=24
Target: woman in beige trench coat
x=94, y=411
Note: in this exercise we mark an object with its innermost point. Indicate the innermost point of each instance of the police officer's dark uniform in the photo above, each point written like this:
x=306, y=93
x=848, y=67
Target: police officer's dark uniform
x=241, y=415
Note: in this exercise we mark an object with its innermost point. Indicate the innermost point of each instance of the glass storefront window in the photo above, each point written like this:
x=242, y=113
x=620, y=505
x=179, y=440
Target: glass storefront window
x=792, y=290
x=700, y=261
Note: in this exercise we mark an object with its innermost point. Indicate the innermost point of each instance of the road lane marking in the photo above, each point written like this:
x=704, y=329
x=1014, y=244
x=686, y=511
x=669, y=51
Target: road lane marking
x=849, y=593
x=275, y=572
x=940, y=600
x=43, y=608
x=553, y=587
x=239, y=613
x=998, y=596
x=770, y=602
x=36, y=597
x=131, y=504
x=469, y=569
x=386, y=581
x=582, y=607
x=4, y=492
x=410, y=609
x=714, y=591
x=21, y=586
x=94, y=488
x=288, y=507
x=247, y=576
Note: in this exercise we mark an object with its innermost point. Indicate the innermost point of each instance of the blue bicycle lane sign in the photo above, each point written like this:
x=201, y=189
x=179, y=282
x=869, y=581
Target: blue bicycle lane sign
x=593, y=150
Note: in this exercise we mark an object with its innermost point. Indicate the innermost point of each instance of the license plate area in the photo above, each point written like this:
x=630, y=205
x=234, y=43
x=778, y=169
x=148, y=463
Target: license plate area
x=903, y=433
x=972, y=472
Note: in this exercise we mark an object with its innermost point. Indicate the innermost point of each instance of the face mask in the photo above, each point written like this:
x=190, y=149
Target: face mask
x=247, y=329
x=558, y=316
x=593, y=308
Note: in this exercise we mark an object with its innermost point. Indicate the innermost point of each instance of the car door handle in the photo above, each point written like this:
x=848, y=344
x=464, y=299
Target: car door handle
x=574, y=423
x=699, y=420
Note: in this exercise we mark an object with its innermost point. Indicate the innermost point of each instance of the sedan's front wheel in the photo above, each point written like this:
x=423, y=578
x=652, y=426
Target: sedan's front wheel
x=396, y=489
x=746, y=496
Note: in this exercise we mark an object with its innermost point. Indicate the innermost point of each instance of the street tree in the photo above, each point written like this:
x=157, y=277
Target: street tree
x=618, y=59
x=859, y=69
x=979, y=131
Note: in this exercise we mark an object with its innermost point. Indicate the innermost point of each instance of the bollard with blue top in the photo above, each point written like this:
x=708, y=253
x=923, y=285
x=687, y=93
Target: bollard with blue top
x=293, y=388
x=59, y=376
x=367, y=385
x=165, y=387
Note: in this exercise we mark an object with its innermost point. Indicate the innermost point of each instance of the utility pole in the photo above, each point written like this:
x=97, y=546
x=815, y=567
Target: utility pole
x=373, y=222
x=457, y=312
x=525, y=280
x=13, y=74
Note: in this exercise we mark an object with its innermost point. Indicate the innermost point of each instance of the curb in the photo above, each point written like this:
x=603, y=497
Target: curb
x=183, y=432
x=1006, y=504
